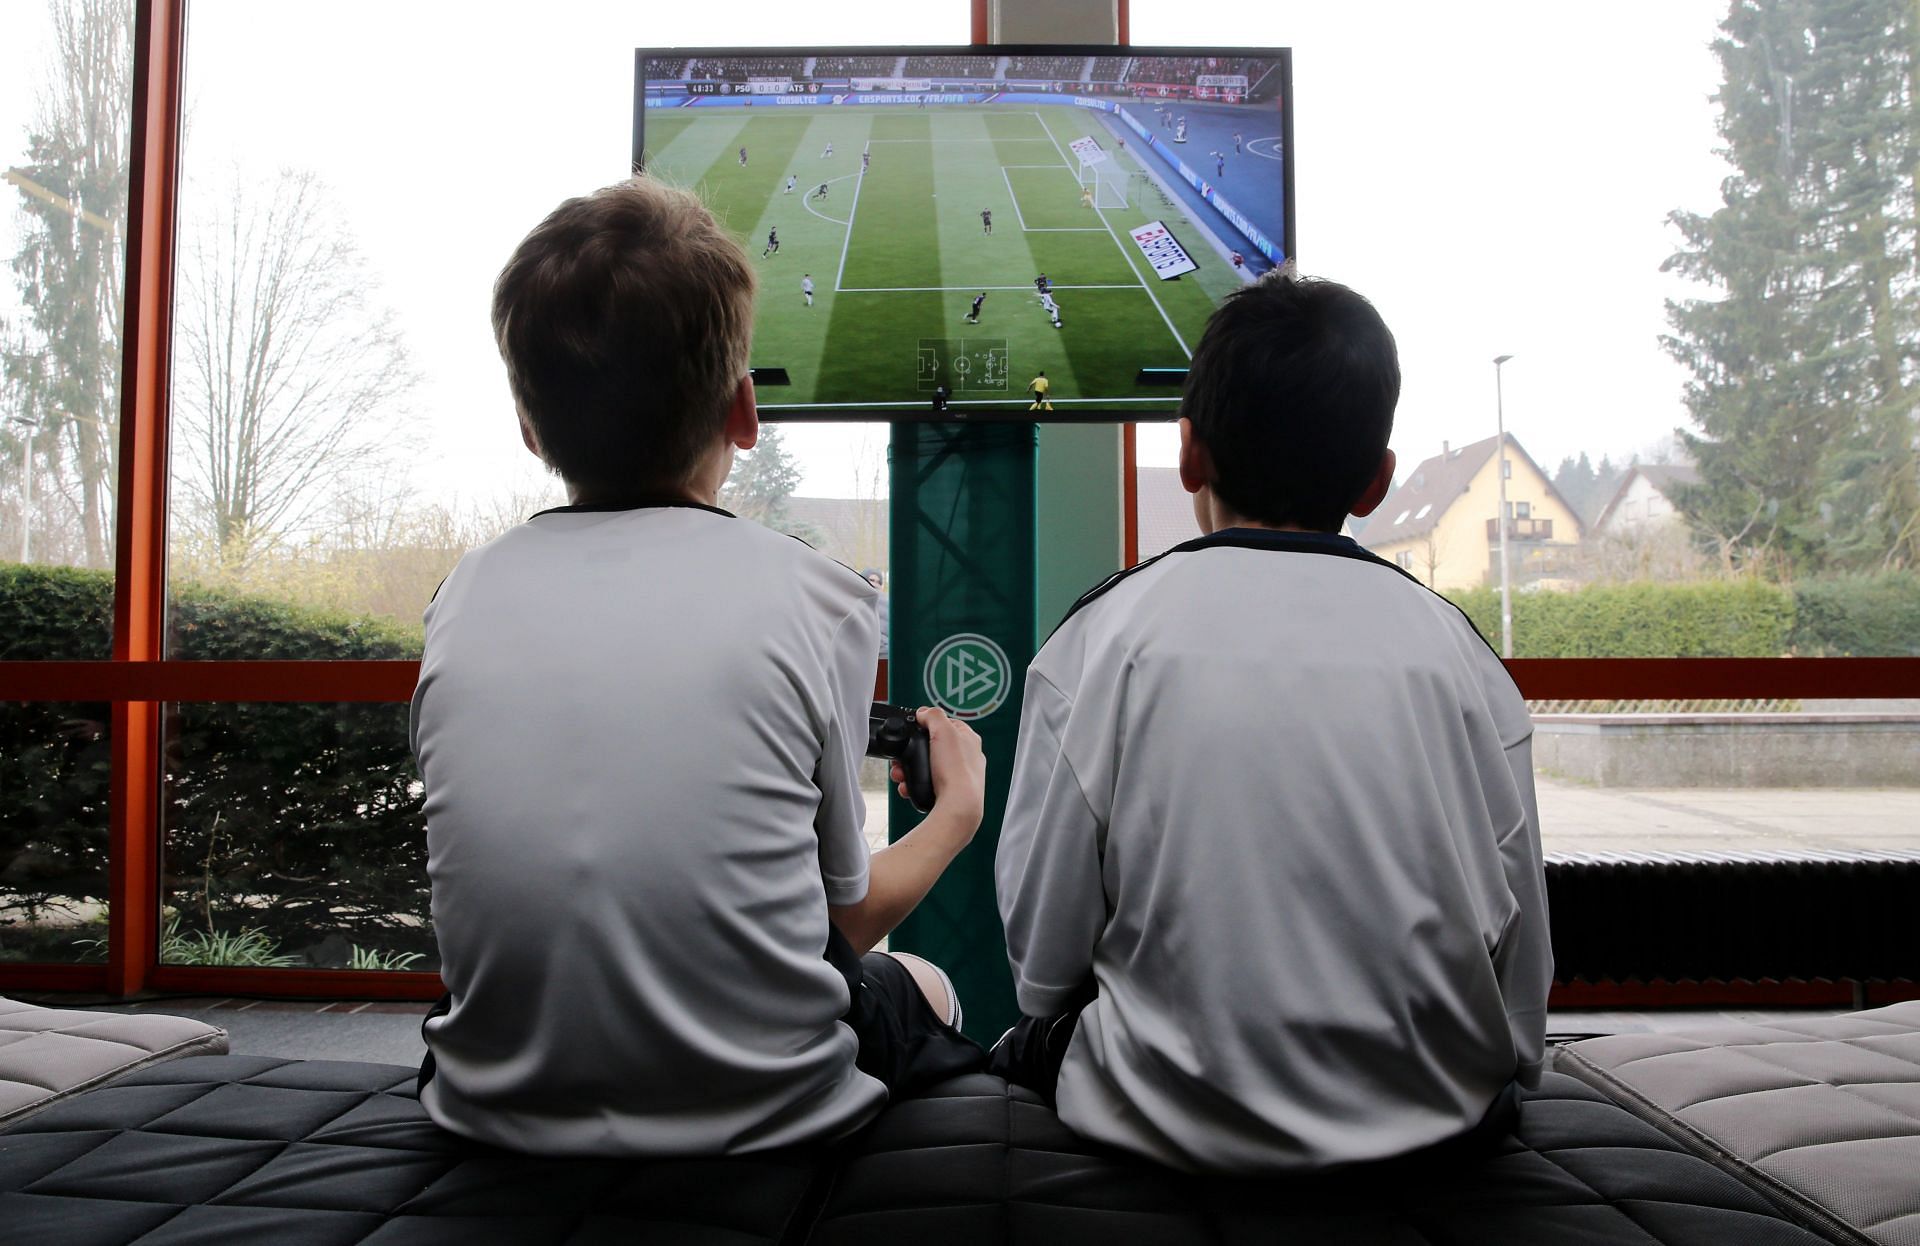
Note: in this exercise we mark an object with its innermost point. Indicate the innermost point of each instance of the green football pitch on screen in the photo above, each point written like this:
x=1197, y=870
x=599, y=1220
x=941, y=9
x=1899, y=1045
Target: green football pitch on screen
x=897, y=252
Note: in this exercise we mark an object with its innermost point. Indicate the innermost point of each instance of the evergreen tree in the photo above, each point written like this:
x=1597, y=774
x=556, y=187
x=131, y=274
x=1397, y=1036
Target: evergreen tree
x=61, y=368
x=762, y=480
x=1802, y=392
x=1606, y=479
x=1574, y=479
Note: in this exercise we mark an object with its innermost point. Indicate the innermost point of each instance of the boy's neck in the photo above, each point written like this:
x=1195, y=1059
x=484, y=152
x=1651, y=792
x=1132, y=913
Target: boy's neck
x=1216, y=516
x=671, y=493
x=701, y=487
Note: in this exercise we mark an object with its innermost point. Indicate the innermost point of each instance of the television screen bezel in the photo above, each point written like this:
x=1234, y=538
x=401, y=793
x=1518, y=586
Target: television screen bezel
x=852, y=413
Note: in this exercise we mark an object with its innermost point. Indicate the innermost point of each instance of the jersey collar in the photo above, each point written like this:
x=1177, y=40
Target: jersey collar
x=631, y=504
x=1332, y=543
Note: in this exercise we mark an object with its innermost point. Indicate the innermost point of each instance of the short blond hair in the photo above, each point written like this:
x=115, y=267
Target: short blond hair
x=625, y=320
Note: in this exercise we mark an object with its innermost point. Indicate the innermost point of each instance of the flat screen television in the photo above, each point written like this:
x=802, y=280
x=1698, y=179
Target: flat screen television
x=935, y=227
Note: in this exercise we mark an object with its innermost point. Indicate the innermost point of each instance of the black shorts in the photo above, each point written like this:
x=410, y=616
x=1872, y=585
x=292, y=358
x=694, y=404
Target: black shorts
x=1030, y=1053
x=903, y=1044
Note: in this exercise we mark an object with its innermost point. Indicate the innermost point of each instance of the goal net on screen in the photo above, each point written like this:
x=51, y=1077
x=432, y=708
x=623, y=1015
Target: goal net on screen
x=1101, y=177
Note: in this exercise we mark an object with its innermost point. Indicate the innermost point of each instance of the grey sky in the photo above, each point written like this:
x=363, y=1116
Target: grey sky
x=1494, y=175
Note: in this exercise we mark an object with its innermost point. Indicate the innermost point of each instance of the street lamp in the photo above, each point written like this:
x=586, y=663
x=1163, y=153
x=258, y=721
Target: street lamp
x=26, y=484
x=1500, y=457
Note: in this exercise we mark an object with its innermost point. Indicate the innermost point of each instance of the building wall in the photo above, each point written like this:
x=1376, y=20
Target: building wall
x=1643, y=505
x=1456, y=552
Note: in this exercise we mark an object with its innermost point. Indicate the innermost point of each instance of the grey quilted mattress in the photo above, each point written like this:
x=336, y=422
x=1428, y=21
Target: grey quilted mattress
x=232, y=1149
x=48, y=1054
x=1823, y=1114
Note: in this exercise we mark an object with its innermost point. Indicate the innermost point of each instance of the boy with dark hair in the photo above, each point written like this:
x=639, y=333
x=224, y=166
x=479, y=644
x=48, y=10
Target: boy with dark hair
x=639, y=723
x=1270, y=869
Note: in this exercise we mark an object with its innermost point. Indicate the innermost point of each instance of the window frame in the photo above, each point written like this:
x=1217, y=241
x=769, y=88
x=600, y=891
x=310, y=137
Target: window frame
x=138, y=681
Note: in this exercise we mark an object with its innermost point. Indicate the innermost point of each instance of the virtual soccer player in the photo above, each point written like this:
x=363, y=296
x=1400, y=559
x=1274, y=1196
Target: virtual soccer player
x=1039, y=387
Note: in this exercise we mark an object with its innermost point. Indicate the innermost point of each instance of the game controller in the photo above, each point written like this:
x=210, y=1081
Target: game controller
x=893, y=733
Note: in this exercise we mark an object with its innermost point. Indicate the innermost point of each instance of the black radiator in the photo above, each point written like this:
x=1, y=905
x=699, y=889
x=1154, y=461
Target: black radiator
x=1735, y=916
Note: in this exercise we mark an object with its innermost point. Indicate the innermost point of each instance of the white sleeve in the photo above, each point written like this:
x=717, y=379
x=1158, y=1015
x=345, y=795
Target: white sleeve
x=842, y=816
x=1523, y=961
x=1047, y=871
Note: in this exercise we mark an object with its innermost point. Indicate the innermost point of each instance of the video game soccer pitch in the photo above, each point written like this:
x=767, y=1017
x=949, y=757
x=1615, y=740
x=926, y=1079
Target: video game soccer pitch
x=900, y=217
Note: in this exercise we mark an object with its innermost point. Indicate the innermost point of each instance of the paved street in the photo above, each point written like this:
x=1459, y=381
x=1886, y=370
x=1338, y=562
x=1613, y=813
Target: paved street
x=1576, y=818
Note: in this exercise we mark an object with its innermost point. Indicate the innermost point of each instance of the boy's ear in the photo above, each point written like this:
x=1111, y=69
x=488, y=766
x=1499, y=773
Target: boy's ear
x=1377, y=488
x=528, y=440
x=1196, y=461
x=743, y=417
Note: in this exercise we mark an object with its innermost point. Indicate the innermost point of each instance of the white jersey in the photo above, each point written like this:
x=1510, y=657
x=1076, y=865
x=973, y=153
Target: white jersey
x=806, y=285
x=1275, y=799
x=640, y=733
x=1047, y=303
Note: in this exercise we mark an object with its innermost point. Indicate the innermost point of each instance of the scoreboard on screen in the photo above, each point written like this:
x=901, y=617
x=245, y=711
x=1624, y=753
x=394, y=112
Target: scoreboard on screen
x=1229, y=88
x=754, y=86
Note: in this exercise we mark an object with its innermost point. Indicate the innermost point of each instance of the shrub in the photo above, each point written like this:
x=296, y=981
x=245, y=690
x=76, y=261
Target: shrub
x=300, y=822
x=1705, y=619
x=1863, y=616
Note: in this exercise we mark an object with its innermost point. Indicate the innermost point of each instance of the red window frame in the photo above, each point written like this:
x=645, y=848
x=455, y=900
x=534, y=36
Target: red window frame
x=138, y=681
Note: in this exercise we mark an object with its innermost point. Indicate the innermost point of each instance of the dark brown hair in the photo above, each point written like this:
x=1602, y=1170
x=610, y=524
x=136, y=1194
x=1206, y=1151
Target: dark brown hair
x=625, y=320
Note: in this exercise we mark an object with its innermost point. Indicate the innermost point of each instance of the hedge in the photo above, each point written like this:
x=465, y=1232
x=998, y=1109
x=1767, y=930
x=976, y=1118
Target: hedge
x=302, y=821
x=1876, y=616
x=1705, y=619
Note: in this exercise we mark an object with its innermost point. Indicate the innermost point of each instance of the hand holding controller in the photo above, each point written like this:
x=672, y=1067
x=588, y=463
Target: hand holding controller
x=892, y=732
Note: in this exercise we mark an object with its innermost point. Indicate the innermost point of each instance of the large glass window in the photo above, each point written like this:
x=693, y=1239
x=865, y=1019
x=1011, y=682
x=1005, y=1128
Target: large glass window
x=342, y=430
x=342, y=426
x=66, y=69
x=293, y=838
x=56, y=763
x=1588, y=260
x=66, y=78
x=1671, y=258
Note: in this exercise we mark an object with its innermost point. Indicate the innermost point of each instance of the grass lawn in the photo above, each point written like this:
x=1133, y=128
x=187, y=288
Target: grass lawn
x=898, y=253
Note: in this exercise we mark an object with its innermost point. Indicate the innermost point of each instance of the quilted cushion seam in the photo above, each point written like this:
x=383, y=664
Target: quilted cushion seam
x=150, y=1059
x=1751, y=1049
x=206, y=1088
x=1841, y=1042
x=1006, y=1166
x=1601, y=1198
x=1805, y=1210
x=1849, y=1088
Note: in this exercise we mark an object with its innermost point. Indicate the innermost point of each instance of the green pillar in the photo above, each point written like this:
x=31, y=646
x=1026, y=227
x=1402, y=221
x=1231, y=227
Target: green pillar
x=1078, y=514
x=962, y=621
x=983, y=519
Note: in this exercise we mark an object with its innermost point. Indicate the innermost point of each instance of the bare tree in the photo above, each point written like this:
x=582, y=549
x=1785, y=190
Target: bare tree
x=1431, y=552
x=288, y=382
x=61, y=362
x=1664, y=551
